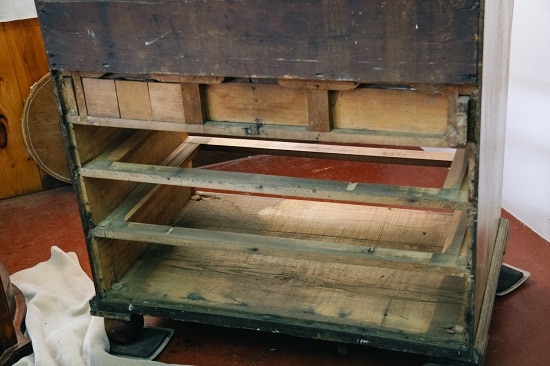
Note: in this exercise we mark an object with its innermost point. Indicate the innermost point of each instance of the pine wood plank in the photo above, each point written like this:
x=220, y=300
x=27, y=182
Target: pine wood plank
x=101, y=97
x=389, y=110
x=133, y=99
x=79, y=94
x=166, y=102
x=256, y=103
x=369, y=226
x=192, y=103
x=401, y=156
x=254, y=285
x=456, y=232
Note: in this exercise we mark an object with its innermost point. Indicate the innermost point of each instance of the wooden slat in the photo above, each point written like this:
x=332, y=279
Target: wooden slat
x=318, y=110
x=279, y=132
x=79, y=94
x=275, y=185
x=192, y=103
x=456, y=232
x=265, y=245
x=400, y=156
x=458, y=169
x=488, y=299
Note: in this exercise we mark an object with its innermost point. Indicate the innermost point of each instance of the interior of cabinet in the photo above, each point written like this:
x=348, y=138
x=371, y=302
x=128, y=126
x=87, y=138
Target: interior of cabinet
x=349, y=256
x=400, y=265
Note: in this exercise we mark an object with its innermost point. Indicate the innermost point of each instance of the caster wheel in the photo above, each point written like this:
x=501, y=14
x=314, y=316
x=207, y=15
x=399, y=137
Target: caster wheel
x=124, y=331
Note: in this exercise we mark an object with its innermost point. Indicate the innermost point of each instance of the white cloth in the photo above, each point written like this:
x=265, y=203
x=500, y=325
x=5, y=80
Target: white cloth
x=16, y=9
x=58, y=319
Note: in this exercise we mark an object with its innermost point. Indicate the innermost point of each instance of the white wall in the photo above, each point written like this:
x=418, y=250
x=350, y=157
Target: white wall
x=526, y=190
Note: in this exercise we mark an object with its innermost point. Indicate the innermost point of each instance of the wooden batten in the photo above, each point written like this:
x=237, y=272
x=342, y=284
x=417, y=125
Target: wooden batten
x=458, y=169
x=328, y=151
x=318, y=110
x=192, y=103
x=80, y=98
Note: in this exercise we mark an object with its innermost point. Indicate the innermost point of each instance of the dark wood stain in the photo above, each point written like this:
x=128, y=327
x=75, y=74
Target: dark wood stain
x=373, y=41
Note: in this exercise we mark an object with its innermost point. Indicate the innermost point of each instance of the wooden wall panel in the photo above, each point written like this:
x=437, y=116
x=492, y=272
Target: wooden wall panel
x=22, y=63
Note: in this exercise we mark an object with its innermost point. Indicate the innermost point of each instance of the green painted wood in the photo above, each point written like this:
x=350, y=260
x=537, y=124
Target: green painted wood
x=278, y=185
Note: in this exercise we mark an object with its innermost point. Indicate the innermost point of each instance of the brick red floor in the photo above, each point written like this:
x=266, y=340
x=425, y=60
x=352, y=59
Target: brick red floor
x=31, y=224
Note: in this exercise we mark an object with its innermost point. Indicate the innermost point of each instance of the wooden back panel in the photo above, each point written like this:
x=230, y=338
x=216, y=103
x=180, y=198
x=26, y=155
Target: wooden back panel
x=424, y=41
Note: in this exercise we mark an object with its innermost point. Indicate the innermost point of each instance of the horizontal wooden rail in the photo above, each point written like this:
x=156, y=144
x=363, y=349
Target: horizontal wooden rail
x=266, y=245
x=274, y=132
x=316, y=150
x=277, y=185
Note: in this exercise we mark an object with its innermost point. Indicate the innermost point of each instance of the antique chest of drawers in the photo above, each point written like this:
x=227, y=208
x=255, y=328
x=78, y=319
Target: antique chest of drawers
x=145, y=87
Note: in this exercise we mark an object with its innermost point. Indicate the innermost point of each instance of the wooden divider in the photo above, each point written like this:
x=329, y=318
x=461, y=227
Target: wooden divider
x=321, y=111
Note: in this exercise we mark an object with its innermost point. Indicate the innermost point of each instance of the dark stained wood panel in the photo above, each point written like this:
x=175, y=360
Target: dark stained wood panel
x=370, y=41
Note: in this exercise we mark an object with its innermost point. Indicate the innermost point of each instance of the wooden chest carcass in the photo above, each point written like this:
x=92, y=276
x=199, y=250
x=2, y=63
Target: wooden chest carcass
x=144, y=86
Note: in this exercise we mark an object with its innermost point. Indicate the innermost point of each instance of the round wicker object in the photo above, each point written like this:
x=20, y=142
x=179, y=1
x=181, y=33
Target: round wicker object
x=42, y=130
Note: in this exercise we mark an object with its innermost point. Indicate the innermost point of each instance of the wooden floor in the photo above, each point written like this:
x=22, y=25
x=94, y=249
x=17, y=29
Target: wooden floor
x=518, y=335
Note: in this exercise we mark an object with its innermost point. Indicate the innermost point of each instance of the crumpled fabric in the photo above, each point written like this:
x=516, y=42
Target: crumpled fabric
x=62, y=330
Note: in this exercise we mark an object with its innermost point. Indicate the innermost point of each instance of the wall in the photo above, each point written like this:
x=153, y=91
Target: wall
x=526, y=189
